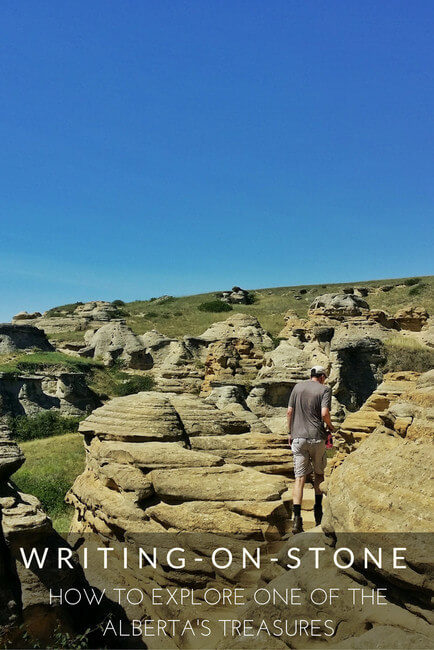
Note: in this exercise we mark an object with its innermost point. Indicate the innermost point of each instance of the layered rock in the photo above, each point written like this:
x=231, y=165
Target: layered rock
x=231, y=360
x=379, y=497
x=177, y=470
x=411, y=318
x=338, y=305
x=358, y=425
x=400, y=446
x=25, y=315
x=239, y=326
x=115, y=341
x=27, y=616
x=90, y=314
x=14, y=338
x=236, y=296
x=67, y=392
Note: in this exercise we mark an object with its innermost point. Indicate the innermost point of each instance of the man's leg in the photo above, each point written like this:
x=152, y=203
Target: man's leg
x=319, y=464
x=297, y=490
x=317, y=482
x=302, y=467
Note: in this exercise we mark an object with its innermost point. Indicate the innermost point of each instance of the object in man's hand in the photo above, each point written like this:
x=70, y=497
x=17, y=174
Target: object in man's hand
x=329, y=442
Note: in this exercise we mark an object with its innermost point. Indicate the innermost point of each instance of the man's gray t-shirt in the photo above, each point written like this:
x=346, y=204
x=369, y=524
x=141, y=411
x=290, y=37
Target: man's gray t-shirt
x=307, y=399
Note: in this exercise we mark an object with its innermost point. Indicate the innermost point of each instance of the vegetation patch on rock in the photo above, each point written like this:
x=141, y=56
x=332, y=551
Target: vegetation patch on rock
x=40, y=361
x=403, y=353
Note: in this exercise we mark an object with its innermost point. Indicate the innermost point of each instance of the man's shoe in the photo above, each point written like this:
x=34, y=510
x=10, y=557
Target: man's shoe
x=297, y=526
x=317, y=511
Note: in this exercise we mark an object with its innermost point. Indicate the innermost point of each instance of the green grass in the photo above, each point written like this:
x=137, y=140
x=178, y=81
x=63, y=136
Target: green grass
x=63, y=310
x=181, y=316
x=51, y=466
x=42, y=425
x=38, y=361
x=60, y=337
x=403, y=353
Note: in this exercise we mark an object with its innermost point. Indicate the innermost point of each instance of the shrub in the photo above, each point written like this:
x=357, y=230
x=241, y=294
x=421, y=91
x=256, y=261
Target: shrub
x=42, y=425
x=406, y=354
x=135, y=384
x=215, y=306
x=252, y=298
x=118, y=303
x=416, y=290
x=114, y=382
x=411, y=281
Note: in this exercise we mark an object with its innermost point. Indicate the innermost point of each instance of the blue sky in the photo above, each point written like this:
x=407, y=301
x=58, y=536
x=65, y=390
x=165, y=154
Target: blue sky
x=152, y=147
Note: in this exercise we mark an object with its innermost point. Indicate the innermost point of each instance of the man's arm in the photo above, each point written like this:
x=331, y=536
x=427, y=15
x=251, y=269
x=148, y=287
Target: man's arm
x=289, y=418
x=326, y=403
x=325, y=414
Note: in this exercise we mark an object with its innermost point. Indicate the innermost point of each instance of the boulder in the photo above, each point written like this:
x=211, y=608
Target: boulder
x=24, y=315
x=239, y=326
x=15, y=338
x=11, y=456
x=236, y=296
x=356, y=360
x=338, y=305
x=115, y=341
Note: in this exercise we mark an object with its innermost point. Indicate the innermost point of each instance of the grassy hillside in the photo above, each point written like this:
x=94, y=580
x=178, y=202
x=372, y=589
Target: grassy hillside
x=180, y=316
x=51, y=466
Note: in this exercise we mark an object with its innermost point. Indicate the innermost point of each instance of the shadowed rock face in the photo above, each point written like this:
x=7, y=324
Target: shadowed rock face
x=31, y=394
x=358, y=425
x=14, y=338
x=25, y=592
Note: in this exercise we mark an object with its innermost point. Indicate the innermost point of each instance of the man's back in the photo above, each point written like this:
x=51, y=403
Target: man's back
x=307, y=399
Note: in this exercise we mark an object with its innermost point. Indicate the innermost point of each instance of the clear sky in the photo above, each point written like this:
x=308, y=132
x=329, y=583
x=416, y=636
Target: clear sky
x=156, y=146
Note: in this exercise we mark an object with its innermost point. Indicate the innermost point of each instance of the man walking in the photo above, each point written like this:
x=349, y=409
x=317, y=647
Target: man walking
x=308, y=411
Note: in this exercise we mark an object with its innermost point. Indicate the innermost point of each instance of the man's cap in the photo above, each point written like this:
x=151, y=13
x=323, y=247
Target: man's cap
x=318, y=370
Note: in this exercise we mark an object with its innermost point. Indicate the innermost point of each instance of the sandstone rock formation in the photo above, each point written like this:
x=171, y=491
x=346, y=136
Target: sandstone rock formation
x=336, y=305
x=229, y=360
x=26, y=614
x=229, y=351
x=400, y=446
x=379, y=496
x=84, y=316
x=24, y=315
x=239, y=326
x=236, y=296
x=15, y=338
x=411, y=318
x=178, y=467
x=358, y=425
x=115, y=341
x=26, y=394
